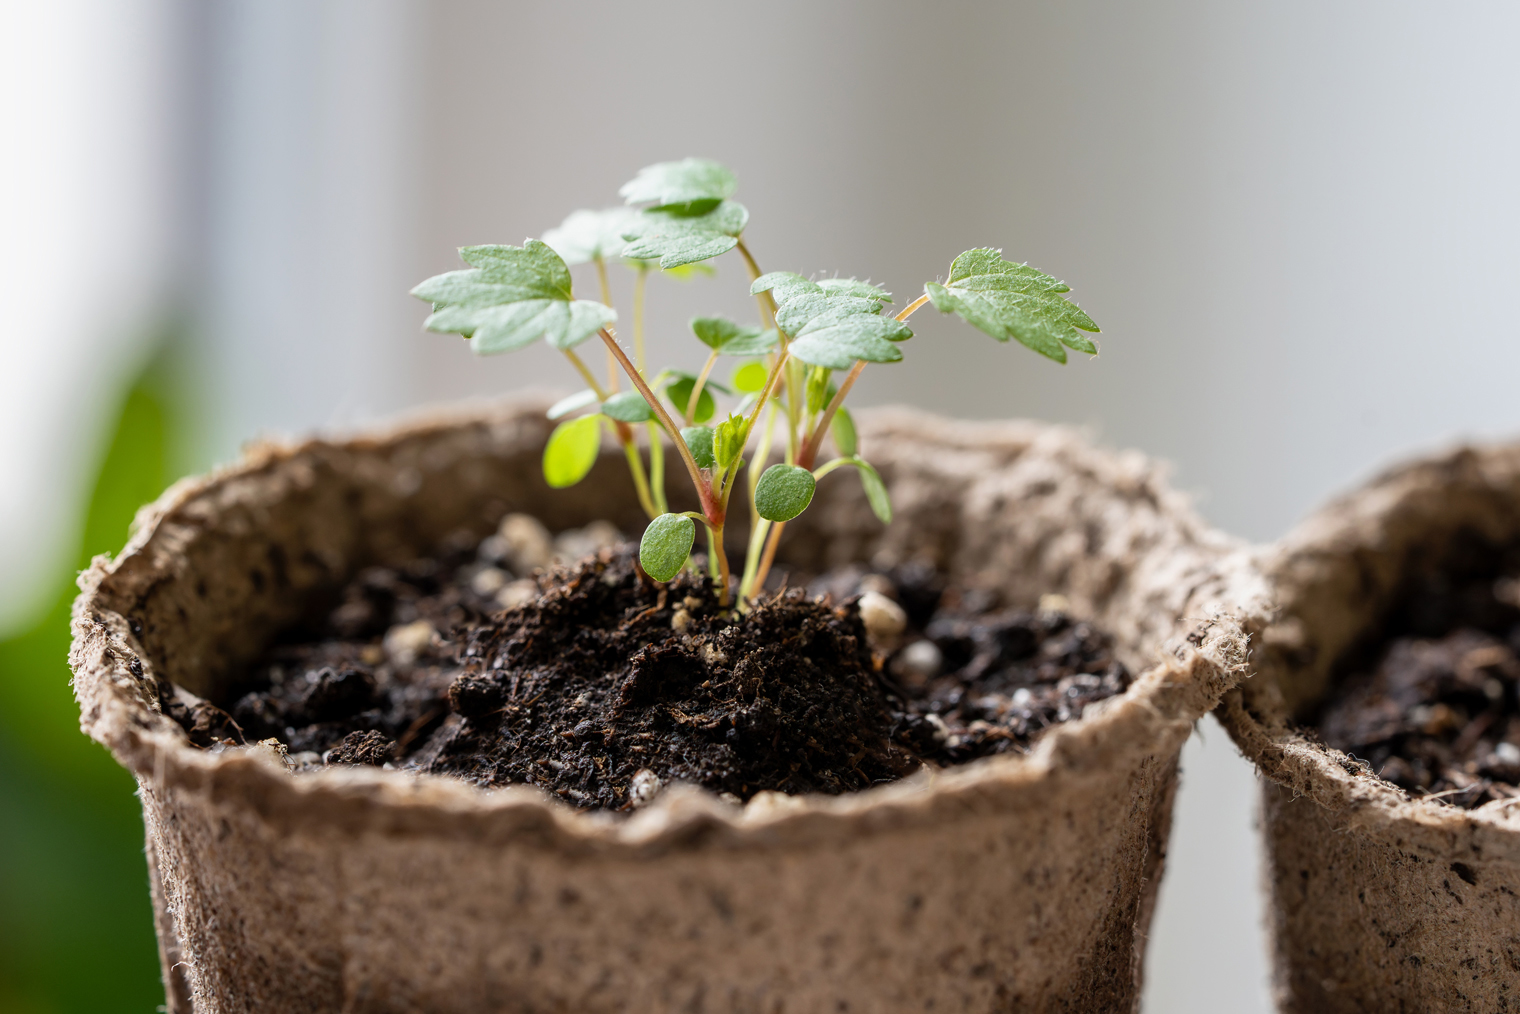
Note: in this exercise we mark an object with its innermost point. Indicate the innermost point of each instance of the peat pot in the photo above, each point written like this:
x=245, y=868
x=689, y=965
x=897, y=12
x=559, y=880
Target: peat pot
x=1014, y=883
x=1380, y=900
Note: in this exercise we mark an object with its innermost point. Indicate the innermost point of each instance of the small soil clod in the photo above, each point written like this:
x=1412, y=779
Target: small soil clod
x=605, y=687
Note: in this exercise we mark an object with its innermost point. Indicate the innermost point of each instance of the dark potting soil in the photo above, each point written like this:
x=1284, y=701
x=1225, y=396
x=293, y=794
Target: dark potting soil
x=600, y=686
x=1435, y=709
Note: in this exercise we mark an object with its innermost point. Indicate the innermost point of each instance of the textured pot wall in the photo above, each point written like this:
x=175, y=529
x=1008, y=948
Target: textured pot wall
x=1380, y=901
x=1020, y=883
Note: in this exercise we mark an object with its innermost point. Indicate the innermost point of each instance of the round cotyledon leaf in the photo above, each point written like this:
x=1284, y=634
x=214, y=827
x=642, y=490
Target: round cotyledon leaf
x=784, y=492
x=666, y=545
x=572, y=450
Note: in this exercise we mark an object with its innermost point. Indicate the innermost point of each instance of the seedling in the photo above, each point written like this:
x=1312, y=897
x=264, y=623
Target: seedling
x=680, y=216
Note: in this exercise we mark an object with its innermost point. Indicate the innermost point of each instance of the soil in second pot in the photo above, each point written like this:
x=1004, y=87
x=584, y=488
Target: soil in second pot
x=601, y=686
x=1435, y=708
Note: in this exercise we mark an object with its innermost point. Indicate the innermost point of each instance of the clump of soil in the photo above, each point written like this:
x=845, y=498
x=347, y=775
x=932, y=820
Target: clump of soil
x=601, y=686
x=1437, y=711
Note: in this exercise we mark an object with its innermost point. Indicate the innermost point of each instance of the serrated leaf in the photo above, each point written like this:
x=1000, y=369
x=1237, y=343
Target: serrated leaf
x=628, y=407
x=783, y=492
x=665, y=545
x=843, y=431
x=854, y=287
x=691, y=183
x=675, y=238
x=586, y=236
x=572, y=450
x=576, y=401
x=783, y=285
x=837, y=344
x=699, y=440
x=726, y=338
x=750, y=377
x=797, y=311
x=1008, y=300
x=509, y=298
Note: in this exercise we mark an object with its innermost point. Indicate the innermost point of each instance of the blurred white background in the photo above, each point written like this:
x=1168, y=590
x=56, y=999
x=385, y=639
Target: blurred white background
x=1298, y=224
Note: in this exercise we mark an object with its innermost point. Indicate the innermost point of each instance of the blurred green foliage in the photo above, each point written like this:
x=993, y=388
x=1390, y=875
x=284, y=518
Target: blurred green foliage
x=76, y=926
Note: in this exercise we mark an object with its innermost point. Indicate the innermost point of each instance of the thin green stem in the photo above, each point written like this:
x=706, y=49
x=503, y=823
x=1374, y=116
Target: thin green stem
x=810, y=452
x=640, y=483
x=601, y=277
x=710, y=507
x=696, y=389
x=638, y=319
x=768, y=557
x=586, y=374
x=657, y=466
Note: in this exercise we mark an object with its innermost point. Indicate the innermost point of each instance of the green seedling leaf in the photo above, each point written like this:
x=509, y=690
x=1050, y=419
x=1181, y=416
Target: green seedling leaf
x=699, y=440
x=836, y=344
x=797, y=312
x=750, y=377
x=843, y=431
x=675, y=238
x=1008, y=300
x=575, y=402
x=727, y=444
x=696, y=184
x=509, y=298
x=870, y=480
x=876, y=491
x=726, y=338
x=686, y=272
x=665, y=545
x=679, y=393
x=783, y=492
x=628, y=407
x=783, y=285
x=585, y=236
x=819, y=390
x=854, y=287
x=572, y=450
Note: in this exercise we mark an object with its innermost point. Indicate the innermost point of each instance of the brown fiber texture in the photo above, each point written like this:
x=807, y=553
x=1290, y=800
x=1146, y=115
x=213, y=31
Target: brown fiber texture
x=1380, y=901
x=1020, y=883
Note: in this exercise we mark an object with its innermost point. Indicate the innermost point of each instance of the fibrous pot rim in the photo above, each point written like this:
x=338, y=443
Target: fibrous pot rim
x=1340, y=555
x=1204, y=657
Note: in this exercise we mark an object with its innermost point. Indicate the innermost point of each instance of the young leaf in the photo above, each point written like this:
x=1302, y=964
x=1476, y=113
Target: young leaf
x=795, y=312
x=679, y=393
x=783, y=285
x=585, y=236
x=783, y=492
x=726, y=443
x=876, y=490
x=665, y=545
x=1008, y=300
x=509, y=298
x=699, y=440
x=870, y=480
x=819, y=390
x=726, y=338
x=836, y=344
x=843, y=431
x=675, y=237
x=628, y=407
x=684, y=272
x=750, y=377
x=690, y=183
x=575, y=402
x=572, y=450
